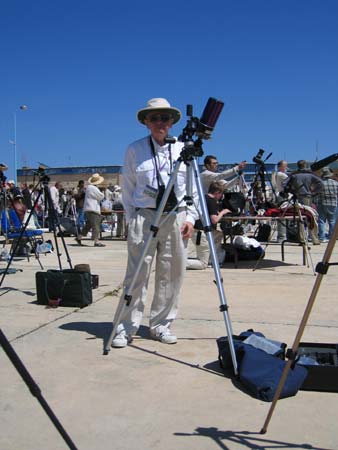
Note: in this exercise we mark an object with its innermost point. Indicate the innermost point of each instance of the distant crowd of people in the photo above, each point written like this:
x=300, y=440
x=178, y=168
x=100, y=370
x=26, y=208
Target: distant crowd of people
x=316, y=195
x=86, y=202
x=83, y=204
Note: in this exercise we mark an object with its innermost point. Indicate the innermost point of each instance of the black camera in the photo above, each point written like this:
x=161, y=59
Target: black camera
x=171, y=201
x=258, y=158
x=40, y=172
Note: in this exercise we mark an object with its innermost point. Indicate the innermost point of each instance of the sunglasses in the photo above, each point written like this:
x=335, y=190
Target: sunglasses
x=160, y=118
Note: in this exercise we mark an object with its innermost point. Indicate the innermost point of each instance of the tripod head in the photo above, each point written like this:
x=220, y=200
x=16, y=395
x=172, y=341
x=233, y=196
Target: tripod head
x=43, y=177
x=202, y=128
x=259, y=160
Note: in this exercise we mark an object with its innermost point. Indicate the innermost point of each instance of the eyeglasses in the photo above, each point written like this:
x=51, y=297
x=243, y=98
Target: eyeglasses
x=160, y=118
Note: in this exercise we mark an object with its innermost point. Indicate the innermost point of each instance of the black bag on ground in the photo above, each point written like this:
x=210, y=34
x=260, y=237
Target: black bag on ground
x=292, y=231
x=67, y=226
x=262, y=233
x=73, y=287
x=245, y=254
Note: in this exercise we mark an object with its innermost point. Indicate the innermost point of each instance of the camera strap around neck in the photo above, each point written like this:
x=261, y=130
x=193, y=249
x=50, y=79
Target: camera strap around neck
x=156, y=160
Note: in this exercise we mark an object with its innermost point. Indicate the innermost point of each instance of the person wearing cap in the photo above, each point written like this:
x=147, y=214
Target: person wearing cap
x=92, y=209
x=210, y=174
x=148, y=164
x=326, y=202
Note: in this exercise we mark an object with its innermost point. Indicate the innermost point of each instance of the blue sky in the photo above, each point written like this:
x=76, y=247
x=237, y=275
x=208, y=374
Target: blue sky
x=85, y=67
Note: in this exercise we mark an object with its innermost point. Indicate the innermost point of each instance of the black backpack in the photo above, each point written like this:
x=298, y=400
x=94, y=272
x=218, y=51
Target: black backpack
x=262, y=233
x=235, y=201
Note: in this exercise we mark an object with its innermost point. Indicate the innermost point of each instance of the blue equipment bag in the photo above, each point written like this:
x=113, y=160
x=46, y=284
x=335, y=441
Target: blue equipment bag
x=261, y=372
x=224, y=355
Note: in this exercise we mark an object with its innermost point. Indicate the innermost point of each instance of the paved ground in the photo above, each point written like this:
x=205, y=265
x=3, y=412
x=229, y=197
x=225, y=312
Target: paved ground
x=153, y=396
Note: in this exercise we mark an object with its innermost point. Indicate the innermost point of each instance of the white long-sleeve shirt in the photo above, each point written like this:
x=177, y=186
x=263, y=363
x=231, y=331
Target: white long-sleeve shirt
x=55, y=196
x=139, y=176
x=92, y=199
x=207, y=177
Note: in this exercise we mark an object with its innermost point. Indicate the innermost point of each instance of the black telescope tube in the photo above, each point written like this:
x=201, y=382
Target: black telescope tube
x=211, y=112
x=324, y=162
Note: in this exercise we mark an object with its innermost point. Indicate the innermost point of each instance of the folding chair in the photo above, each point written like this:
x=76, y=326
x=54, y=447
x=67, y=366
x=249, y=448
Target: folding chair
x=12, y=228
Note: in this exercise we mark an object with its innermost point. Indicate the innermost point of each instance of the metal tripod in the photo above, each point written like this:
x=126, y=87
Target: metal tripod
x=188, y=158
x=260, y=179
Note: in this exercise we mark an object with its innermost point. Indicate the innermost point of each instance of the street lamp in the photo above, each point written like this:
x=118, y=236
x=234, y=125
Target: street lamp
x=22, y=108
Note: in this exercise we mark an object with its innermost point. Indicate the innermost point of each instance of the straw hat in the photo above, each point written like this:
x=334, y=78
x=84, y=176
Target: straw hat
x=160, y=105
x=95, y=179
x=326, y=172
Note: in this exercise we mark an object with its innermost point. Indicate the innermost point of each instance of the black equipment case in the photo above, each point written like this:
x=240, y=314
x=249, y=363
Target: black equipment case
x=74, y=288
x=322, y=377
x=68, y=226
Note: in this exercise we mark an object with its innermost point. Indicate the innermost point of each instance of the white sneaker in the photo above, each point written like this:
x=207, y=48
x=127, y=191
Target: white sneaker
x=121, y=340
x=166, y=337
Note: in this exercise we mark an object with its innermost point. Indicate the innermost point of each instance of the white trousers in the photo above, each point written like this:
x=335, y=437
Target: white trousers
x=170, y=251
x=203, y=250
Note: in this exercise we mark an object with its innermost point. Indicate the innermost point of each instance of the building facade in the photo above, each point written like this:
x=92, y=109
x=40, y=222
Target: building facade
x=70, y=176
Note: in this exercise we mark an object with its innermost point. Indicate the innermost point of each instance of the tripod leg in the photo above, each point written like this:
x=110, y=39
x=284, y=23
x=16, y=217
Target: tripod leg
x=304, y=238
x=322, y=270
x=56, y=224
x=34, y=388
x=214, y=259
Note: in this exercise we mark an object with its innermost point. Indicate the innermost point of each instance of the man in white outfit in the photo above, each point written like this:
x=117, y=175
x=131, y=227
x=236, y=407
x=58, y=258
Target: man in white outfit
x=92, y=209
x=148, y=165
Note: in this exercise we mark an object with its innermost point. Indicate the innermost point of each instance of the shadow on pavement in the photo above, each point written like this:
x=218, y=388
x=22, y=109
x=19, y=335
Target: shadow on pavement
x=263, y=264
x=247, y=439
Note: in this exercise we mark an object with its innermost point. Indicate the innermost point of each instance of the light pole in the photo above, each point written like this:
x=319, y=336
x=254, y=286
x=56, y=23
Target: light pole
x=22, y=108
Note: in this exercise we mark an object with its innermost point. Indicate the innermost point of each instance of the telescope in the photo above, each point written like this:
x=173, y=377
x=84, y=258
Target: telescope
x=317, y=165
x=202, y=127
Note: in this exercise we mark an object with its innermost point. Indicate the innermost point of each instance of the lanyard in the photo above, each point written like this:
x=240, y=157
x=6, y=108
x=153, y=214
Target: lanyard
x=158, y=173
